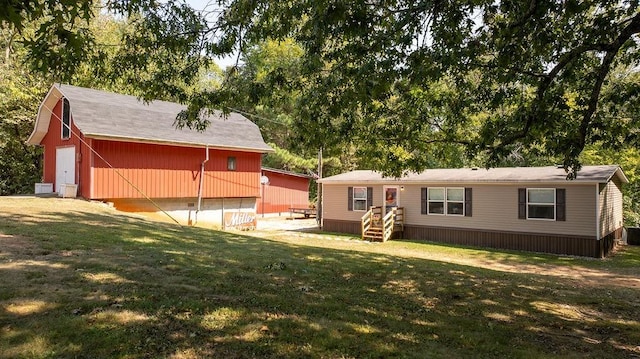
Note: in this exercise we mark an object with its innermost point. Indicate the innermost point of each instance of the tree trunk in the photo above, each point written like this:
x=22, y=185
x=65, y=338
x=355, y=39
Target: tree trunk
x=7, y=50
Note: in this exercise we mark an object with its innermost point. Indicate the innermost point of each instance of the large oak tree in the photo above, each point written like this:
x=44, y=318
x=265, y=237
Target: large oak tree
x=394, y=77
x=493, y=76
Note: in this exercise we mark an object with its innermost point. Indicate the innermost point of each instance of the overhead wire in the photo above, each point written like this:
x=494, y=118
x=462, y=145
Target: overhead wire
x=257, y=116
x=136, y=188
x=110, y=165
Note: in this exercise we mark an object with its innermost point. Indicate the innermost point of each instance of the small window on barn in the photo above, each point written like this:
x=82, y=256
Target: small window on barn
x=541, y=203
x=359, y=198
x=66, y=119
x=231, y=163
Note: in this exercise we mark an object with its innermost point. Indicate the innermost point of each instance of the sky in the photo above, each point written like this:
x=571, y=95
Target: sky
x=211, y=5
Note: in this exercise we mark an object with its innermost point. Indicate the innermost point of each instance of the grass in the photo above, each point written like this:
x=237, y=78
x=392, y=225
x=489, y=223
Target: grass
x=79, y=280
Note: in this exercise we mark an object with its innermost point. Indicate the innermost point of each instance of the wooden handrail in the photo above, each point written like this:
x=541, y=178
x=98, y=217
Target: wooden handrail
x=366, y=222
x=367, y=219
x=387, y=224
x=399, y=215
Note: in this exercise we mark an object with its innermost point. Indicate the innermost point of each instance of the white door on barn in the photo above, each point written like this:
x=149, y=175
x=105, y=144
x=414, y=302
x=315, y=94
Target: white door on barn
x=65, y=166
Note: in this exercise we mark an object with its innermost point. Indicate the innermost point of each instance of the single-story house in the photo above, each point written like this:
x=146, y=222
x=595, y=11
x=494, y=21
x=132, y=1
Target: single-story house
x=115, y=148
x=283, y=190
x=523, y=208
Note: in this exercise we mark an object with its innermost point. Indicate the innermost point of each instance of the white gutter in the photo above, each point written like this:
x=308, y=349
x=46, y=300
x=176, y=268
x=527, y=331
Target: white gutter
x=201, y=182
x=175, y=143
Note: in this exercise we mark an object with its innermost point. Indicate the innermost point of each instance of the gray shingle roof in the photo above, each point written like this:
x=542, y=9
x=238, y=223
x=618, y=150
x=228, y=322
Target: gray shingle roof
x=106, y=114
x=288, y=173
x=549, y=174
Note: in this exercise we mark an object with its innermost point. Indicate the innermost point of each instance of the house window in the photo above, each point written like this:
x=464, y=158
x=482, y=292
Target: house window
x=359, y=198
x=446, y=201
x=455, y=201
x=66, y=119
x=435, y=200
x=231, y=163
x=541, y=203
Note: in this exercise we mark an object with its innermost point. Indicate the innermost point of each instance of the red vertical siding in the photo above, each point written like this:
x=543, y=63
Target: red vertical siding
x=159, y=171
x=283, y=192
x=50, y=141
x=53, y=140
x=162, y=171
x=84, y=164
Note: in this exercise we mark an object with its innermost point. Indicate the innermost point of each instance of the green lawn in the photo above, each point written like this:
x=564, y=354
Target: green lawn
x=80, y=280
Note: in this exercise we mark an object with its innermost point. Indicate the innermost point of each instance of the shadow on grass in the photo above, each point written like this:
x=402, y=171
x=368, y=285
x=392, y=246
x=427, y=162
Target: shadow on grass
x=84, y=284
x=625, y=256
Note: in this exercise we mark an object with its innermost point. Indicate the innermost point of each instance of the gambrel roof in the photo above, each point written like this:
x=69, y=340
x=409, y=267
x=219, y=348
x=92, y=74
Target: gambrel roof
x=107, y=115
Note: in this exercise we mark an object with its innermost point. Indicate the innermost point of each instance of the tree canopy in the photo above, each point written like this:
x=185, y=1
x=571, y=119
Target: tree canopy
x=389, y=85
x=20, y=95
x=393, y=79
x=493, y=77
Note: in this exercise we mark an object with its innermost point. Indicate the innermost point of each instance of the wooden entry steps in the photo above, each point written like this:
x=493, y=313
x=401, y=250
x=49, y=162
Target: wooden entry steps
x=376, y=227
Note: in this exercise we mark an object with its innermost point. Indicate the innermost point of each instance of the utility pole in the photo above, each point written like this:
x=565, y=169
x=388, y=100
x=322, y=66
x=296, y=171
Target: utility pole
x=319, y=196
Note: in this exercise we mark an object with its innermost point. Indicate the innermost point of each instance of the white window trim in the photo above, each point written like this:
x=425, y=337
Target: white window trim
x=542, y=204
x=446, y=208
x=445, y=202
x=353, y=200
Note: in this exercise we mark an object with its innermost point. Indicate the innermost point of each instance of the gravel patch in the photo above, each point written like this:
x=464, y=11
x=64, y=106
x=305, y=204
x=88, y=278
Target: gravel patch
x=287, y=224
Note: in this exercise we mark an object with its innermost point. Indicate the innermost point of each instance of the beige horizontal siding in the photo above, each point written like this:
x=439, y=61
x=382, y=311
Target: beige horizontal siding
x=335, y=202
x=495, y=208
x=611, y=212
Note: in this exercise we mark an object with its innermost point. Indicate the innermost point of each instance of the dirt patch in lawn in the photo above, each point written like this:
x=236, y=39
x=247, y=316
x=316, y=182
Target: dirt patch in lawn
x=579, y=272
x=581, y=276
x=12, y=246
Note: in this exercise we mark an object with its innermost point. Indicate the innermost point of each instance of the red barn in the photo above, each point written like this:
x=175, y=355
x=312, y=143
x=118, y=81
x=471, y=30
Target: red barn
x=283, y=191
x=115, y=148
